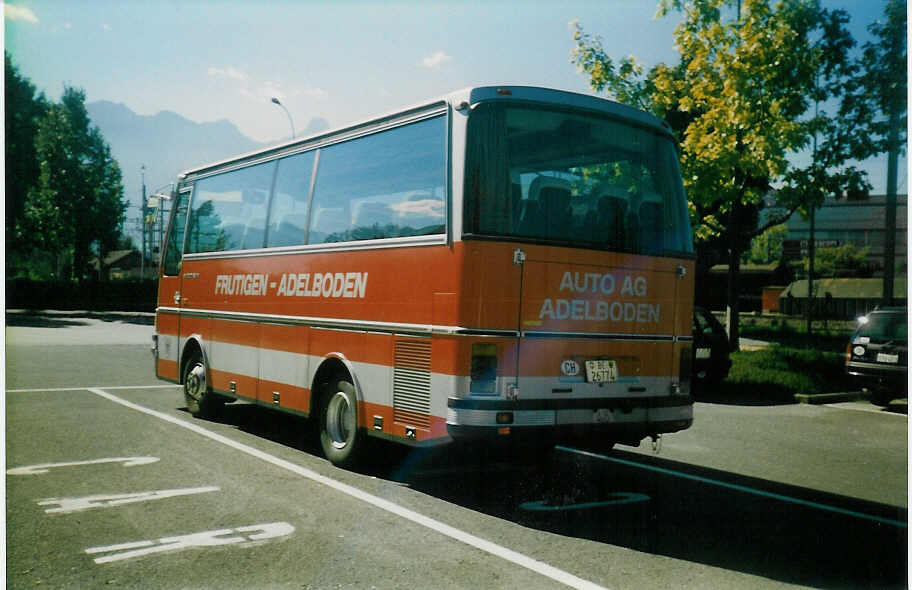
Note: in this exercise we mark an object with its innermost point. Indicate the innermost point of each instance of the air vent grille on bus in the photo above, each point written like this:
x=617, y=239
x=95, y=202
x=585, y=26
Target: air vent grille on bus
x=412, y=382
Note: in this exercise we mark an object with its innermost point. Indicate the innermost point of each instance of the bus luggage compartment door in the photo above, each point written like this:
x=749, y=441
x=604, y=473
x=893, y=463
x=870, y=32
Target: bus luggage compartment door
x=595, y=340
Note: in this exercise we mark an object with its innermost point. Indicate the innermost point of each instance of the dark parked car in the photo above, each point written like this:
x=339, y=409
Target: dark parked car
x=876, y=357
x=710, y=348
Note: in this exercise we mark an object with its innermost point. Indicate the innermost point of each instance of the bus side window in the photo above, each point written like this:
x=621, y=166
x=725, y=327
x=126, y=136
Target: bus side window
x=175, y=245
x=287, y=223
x=229, y=210
x=330, y=224
x=384, y=185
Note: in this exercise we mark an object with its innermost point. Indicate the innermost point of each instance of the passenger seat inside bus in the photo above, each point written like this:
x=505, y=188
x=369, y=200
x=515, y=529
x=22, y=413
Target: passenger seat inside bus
x=547, y=210
x=651, y=229
x=612, y=218
x=531, y=223
x=516, y=207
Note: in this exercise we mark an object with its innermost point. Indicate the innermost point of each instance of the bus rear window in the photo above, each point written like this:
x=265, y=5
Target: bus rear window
x=573, y=178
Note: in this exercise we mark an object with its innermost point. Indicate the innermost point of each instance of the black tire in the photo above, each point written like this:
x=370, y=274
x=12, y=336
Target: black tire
x=339, y=434
x=201, y=401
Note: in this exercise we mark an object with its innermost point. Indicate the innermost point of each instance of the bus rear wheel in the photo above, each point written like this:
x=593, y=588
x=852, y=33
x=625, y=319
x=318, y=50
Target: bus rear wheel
x=201, y=401
x=339, y=434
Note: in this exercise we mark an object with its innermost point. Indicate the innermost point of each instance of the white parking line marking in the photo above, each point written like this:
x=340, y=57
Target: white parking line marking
x=732, y=486
x=215, y=538
x=45, y=467
x=871, y=410
x=83, y=388
x=539, y=567
x=66, y=505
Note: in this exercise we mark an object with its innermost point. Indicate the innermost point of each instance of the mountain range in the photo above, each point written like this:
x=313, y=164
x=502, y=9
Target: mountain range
x=166, y=144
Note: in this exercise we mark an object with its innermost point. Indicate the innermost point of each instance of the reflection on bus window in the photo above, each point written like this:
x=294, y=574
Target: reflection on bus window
x=386, y=185
x=176, y=235
x=288, y=213
x=229, y=210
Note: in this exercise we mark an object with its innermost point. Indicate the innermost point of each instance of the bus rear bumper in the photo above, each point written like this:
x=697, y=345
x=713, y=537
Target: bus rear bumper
x=624, y=419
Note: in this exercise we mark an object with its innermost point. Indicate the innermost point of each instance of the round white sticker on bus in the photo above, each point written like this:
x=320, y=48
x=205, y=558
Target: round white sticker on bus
x=570, y=368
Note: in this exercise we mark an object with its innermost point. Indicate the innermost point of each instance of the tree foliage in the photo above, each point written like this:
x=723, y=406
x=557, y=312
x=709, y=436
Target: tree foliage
x=741, y=102
x=840, y=261
x=879, y=87
x=23, y=108
x=751, y=101
x=73, y=206
x=767, y=247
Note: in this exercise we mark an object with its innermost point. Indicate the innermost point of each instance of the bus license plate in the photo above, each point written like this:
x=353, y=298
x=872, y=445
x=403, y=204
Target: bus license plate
x=887, y=358
x=601, y=371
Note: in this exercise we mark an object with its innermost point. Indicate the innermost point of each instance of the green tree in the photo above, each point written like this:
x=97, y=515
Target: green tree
x=767, y=247
x=23, y=108
x=740, y=101
x=839, y=261
x=46, y=211
x=77, y=207
x=877, y=110
x=879, y=88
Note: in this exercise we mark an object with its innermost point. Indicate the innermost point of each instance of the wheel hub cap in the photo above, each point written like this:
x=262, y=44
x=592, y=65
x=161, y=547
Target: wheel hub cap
x=340, y=420
x=196, y=382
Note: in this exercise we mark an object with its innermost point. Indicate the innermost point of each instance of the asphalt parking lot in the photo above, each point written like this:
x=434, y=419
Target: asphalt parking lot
x=111, y=483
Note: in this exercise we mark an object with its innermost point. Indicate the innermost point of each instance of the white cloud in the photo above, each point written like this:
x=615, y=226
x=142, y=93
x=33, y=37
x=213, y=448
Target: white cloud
x=229, y=72
x=434, y=60
x=259, y=90
x=425, y=207
x=23, y=13
x=263, y=93
x=272, y=89
x=317, y=93
x=105, y=27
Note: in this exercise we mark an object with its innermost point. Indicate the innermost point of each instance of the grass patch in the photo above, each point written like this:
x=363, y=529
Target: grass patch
x=774, y=375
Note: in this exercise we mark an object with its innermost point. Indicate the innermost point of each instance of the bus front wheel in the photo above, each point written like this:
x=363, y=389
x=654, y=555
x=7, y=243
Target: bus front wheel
x=201, y=401
x=339, y=435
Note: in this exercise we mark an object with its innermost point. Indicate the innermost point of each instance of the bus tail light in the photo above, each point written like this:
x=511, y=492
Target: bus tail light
x=484, y=368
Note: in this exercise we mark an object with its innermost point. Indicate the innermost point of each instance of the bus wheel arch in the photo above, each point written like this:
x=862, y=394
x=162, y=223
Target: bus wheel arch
x=335, y=407
x=332, y=364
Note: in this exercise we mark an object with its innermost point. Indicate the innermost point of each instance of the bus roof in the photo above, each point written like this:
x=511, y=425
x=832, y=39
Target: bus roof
x=460, y=99
x=559, y=97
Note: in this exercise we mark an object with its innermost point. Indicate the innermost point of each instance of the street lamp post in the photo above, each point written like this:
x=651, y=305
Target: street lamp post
x=290, y=122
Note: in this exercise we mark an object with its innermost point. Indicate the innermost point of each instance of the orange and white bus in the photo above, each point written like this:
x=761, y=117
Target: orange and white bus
x=500, y=262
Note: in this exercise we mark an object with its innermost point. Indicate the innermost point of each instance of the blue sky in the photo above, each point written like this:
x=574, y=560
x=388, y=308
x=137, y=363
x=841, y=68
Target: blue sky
x=342, y=61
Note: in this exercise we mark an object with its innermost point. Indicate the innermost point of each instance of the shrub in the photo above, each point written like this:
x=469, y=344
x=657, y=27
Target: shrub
x=777, y=373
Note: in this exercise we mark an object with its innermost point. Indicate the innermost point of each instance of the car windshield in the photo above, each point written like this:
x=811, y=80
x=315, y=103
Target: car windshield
x=885, y=326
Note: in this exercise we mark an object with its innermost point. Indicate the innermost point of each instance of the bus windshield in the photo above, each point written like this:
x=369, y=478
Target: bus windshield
x=575, y=178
